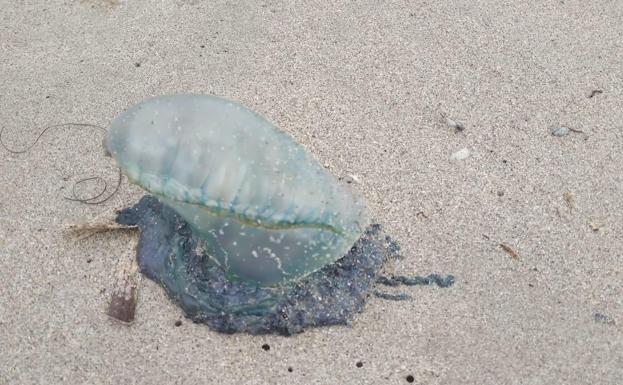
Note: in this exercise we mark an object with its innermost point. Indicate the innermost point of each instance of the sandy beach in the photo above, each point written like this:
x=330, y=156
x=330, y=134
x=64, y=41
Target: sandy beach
x=529, y=223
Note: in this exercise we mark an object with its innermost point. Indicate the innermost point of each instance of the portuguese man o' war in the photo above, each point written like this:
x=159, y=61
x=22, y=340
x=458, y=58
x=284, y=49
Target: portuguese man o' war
x=244, y=229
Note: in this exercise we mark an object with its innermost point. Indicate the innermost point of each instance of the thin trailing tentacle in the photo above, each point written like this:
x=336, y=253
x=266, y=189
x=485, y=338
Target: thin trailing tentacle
x=93, y=200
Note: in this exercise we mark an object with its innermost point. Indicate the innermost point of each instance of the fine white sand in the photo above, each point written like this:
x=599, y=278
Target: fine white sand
x=367, y=88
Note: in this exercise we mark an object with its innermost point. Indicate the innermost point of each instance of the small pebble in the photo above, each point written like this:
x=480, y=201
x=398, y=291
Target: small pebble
x=462, y=154
x=603, y=318
x=560, y=131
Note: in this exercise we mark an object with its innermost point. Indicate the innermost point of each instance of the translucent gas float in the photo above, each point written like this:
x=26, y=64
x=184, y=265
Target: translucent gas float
x=265, y=209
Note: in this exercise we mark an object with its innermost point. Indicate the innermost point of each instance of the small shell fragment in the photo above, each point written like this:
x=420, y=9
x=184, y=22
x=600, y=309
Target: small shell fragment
x=462, y=154
x=560, y=131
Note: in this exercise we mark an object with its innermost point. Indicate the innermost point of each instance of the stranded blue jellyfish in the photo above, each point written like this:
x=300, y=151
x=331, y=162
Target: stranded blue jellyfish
x=244, y=229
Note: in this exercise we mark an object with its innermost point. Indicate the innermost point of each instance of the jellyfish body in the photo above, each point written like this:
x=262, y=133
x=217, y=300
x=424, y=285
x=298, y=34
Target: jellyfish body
x=265, y=211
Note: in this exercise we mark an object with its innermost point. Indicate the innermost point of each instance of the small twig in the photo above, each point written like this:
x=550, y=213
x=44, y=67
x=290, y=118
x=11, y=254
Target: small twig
x=510, y=251
x=595, y=92
x=421, y=214
x=86, y=230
